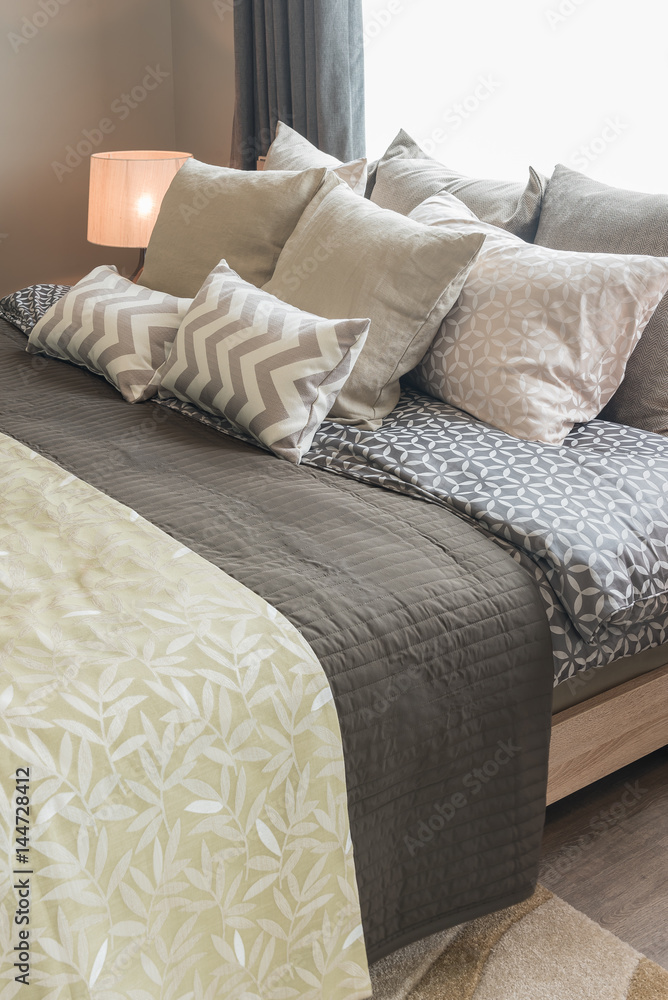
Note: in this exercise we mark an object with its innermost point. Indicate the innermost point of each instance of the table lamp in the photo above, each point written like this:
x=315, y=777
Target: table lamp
x=125, y=193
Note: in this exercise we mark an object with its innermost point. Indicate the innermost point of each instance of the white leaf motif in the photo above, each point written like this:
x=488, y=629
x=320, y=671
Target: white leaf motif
x=204, y=806
x=239, y=949
x=353, y=936
x=98, y=963
x=322, y=699
x=177, y=644
x=150, y=969
x=53, y=806
x=187, y=697
x=267, y=837
x=157, y=861
x=164, y=616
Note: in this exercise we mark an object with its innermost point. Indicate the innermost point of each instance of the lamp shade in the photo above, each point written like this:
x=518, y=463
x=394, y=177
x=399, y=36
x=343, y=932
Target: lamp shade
x=125, y=193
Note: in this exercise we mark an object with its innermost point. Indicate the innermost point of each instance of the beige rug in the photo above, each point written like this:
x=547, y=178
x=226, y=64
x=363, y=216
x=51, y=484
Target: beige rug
x=542, y=949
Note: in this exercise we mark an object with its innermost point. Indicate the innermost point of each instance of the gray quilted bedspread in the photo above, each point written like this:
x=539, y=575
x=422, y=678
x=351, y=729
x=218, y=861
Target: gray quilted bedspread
x=434, y=640
x=588, y=520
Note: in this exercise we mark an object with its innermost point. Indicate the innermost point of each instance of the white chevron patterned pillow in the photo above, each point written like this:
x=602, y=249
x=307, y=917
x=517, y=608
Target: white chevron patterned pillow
x=266, y=366
x=114, y=328
x=539, y=339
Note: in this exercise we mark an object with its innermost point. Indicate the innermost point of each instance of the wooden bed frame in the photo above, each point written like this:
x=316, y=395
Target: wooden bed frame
x=606, y=732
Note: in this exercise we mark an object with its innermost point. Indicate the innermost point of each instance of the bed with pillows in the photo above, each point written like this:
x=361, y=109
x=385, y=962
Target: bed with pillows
x=423, y=418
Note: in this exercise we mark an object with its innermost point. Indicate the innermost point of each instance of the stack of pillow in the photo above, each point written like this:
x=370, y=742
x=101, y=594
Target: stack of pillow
x=280, y=297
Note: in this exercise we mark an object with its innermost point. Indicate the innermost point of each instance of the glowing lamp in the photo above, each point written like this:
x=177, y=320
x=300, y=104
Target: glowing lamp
x=125, y=193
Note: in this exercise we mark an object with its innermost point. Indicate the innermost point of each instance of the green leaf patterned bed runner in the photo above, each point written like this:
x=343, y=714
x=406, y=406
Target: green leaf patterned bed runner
x=187, y=834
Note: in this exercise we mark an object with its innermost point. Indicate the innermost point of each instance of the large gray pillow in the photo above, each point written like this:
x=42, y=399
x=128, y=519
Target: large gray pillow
x=405, y=176
x=348, y=258
x=582, y=214
x=213, y=212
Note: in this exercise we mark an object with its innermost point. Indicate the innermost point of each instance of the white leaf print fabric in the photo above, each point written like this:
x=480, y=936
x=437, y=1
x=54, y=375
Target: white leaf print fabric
x=188, y=804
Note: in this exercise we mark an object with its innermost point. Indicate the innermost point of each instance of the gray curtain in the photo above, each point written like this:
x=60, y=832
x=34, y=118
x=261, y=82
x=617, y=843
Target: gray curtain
x=300, y=61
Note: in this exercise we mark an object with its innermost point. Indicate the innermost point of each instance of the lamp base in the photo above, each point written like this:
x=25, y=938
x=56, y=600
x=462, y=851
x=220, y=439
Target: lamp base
x=140, y=266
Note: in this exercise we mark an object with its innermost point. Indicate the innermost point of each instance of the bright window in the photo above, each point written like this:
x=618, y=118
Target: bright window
x=491, y=86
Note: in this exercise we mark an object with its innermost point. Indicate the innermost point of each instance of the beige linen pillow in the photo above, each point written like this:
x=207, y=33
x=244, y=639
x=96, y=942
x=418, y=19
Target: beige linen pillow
x=270, y=369
x=213, y=212
x=291, y=151
x=114, y=328
x=539, y=338
x=349, y=258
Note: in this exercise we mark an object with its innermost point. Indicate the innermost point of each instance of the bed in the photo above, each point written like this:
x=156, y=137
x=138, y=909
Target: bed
x=466, y=626
x=275, y=527
x=464, y=603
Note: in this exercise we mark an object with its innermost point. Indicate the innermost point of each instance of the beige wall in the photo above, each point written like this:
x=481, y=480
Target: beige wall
x=71, y=75
x=202, y=34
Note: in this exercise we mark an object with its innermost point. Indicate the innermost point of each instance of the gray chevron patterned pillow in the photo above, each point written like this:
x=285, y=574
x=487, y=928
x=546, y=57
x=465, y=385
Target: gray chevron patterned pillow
x=582, y=214
x=114, y=328
x=269, y=368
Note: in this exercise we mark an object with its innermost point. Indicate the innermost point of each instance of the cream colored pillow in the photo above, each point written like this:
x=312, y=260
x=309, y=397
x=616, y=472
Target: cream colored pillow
x=348, y=258
x=213, y=212
x=539, y=338
x=291, y=151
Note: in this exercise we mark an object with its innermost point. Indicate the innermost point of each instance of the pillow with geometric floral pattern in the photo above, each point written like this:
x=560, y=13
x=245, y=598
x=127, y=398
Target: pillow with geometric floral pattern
x=24, y=308
x=539, y=339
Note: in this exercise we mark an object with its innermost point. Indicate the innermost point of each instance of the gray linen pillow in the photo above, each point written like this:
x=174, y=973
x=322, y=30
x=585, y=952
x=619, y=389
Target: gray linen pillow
x=349, y=258
x=291, y=151
x=582, y=214
x=405, y=176
x=213, y=212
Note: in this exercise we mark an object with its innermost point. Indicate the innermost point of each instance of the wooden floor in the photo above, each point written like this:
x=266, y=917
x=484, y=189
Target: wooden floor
x=605, y=851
